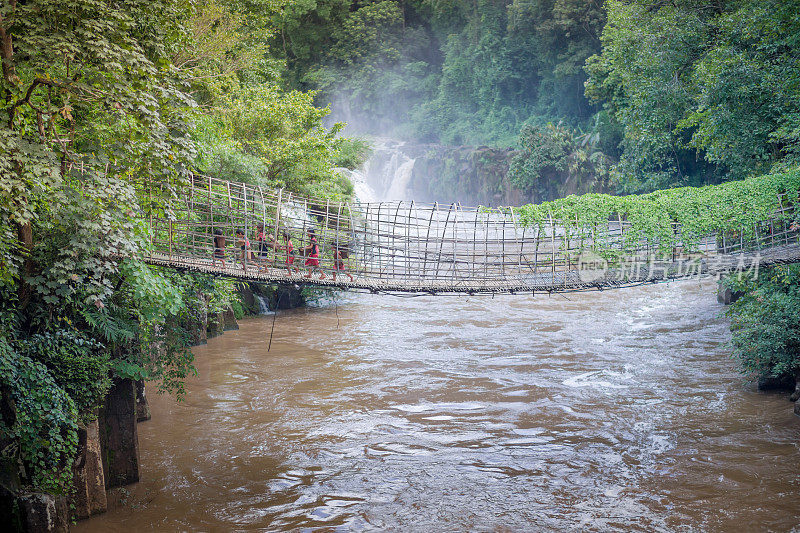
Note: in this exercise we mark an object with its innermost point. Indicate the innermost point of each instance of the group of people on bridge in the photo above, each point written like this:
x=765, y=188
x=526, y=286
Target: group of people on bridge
x=269, y=249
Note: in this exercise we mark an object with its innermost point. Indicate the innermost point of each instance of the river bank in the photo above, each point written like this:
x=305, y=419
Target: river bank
x=107, y=456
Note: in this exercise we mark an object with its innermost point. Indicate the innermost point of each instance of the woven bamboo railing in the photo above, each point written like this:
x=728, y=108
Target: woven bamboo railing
x=429, y=248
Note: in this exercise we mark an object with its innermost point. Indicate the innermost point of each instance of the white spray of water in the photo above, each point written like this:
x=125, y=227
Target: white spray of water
x=385, y=176
x=362, y=189
x=398, y=190
x=263, y=305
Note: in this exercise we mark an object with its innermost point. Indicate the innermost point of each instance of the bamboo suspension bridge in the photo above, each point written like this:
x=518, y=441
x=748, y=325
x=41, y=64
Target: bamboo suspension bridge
x=410, y=247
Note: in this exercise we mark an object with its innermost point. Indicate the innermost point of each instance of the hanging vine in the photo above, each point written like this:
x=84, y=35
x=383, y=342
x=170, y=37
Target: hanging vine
x=736, y=207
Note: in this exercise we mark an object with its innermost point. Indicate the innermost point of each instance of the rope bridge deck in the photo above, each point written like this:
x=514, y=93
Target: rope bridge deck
x=431, y=248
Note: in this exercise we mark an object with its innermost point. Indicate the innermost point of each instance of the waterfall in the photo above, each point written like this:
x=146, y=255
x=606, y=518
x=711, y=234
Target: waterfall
x=362, y=189
x=263, y=305
x=402, y=177
x=386, y=175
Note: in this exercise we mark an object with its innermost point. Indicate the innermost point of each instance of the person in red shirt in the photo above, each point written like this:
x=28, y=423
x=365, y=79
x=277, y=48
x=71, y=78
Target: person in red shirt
x=312, y=255
x=339, y=255
x=287, y=246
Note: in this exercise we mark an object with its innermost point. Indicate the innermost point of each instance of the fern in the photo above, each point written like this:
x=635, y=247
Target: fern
x=114, y=330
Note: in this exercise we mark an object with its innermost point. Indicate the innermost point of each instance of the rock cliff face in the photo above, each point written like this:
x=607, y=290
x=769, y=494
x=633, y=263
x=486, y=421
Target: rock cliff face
x=471, y=176
x=468, y=175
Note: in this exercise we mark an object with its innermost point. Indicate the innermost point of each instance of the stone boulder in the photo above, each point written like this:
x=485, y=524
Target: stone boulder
x=216, y=324
x=290, y=297
x=196, y=321
x=248, y=299
x=229, y=319
x=796, y=394
x=44, y=513
x=726, y=296
x=772, y=383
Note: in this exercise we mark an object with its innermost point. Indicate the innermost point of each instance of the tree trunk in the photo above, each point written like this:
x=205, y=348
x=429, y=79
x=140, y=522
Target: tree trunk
x=7, y=49
x=24, y=231
x=25, y=237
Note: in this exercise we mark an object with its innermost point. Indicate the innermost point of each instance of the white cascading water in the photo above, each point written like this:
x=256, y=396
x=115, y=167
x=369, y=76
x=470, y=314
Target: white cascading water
x=385, y=176
x=398, y=190
x=263, y=305
x=361, y=188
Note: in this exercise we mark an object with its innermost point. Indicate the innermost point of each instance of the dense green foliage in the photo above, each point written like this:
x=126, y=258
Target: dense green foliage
x=442, y=70
x=247, y=127
x=91, y=102
x=736, y=206
x=702, y=90
x=46, y=419
x=97, y=98
x=553, y=151
x=765, y=323
x=264, y=136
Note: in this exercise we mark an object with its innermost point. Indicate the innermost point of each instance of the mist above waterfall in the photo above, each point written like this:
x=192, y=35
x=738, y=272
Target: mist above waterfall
x=404, y=170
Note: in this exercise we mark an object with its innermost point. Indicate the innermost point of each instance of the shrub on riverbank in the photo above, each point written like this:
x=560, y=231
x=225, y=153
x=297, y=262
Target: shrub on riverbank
x=765, y=322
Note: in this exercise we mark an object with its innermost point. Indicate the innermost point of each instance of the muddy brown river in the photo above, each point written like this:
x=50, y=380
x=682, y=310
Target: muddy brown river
x=604, y=411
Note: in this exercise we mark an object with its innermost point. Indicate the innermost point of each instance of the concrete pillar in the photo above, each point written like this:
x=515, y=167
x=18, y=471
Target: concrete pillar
x=89, y=485
x=119, y=438
x=229, y=319
x=142, y=407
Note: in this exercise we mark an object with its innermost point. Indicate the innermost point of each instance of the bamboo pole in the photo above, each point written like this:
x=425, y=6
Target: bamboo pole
x=553, y=246
x=408, y=240
x=277, y=224
x=352, y=230
x=441, y=243
x=427, y=238
x=486, y=247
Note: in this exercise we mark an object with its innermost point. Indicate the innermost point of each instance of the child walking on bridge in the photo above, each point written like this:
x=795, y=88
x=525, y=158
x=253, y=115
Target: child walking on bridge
x=312, y=253
x=219, y=248
x=264, y=245
x=244, y=243
x=339, y=255
x=289, y=248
